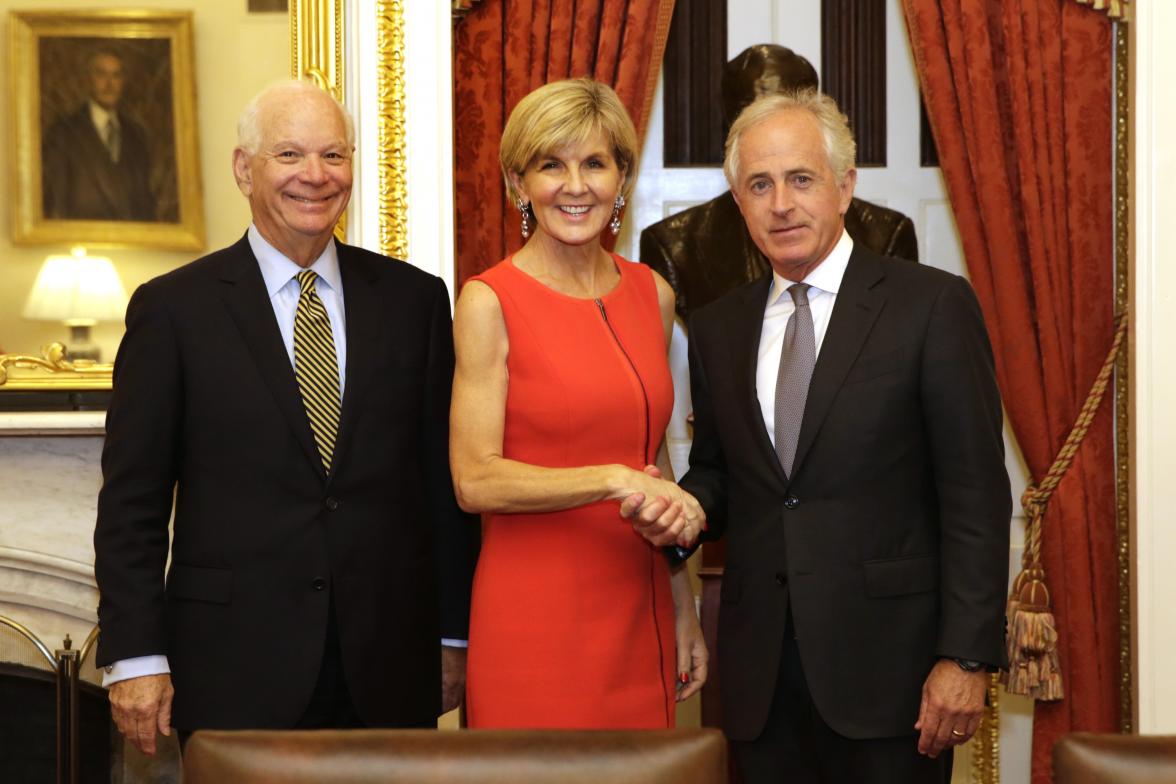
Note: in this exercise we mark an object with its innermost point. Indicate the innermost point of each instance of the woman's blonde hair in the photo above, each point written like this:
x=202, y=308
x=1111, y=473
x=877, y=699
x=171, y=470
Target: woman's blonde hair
x=562, y=113
x=840, y=147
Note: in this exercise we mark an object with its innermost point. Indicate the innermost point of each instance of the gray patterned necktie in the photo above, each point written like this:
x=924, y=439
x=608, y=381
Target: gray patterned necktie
x=797, y=357
x=113, y=140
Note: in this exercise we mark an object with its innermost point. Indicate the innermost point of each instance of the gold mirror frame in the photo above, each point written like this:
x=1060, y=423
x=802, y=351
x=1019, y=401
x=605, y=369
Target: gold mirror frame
x=52, y=371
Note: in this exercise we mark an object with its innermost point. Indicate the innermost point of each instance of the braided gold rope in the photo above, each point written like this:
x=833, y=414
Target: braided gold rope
x=1036, y=497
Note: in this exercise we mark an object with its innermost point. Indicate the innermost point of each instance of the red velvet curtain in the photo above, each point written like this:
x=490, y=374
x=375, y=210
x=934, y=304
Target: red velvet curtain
x=1019, y=94
x=507, y=48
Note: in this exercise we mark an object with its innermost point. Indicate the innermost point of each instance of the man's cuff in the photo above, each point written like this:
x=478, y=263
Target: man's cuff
x=448, y=643
x=137, y=667
x=678, y=555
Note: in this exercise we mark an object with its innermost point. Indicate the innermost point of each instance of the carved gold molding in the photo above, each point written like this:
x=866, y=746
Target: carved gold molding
x=316, y=53
x=316, y=43
x=316, y=32
x=52, y=371
x=393, y=184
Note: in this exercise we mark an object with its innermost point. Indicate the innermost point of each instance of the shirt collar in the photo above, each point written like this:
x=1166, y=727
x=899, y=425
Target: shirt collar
x=100, y=116
x=277, y=270
x=827, y=275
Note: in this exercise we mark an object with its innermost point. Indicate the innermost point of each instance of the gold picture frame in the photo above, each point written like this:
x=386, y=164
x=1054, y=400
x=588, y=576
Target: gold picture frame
x=136, y=181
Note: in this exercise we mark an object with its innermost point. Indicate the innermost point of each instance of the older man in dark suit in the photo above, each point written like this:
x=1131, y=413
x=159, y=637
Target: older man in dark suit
x=291, y=393
x=848, y=444
x=96, y=162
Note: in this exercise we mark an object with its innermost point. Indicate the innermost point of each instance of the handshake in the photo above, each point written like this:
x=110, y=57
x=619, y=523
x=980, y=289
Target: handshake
x=663, y=513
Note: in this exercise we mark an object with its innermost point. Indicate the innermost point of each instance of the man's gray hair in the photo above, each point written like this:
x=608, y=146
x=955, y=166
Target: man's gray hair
x=840, y=147
x=249, y=132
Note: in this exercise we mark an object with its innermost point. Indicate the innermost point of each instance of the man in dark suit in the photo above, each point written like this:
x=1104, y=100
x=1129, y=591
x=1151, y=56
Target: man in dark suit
x=705, y=251
x=291, y=393
x=95, y=162
x=848, y=443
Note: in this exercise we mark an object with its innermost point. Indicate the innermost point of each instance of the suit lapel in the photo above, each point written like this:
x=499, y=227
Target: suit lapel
x=744, y=329
x=362, y=306
x=855, y=311
x=246, y=299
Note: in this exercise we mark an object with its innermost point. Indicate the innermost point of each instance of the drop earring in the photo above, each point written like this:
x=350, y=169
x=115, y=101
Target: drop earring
x=525, y=209
x=614, y=225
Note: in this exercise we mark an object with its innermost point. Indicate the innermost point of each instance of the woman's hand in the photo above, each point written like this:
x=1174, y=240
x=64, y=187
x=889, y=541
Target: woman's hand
x=692, y=652
x=661, y=511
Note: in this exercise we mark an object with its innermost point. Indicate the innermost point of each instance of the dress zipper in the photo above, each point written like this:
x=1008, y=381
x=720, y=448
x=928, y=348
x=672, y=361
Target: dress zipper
x=644, y=394
x=645, y=460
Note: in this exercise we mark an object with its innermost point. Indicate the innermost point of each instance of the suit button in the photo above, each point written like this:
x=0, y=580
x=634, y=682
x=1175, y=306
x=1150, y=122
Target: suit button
x=332, y=504
x=781, y=578
x=319, y=584
x=791, y=502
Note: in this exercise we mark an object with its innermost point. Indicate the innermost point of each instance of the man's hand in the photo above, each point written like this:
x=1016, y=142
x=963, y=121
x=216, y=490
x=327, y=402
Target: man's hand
x=675, y=517
x=140, y=706
x=658, y=520
x=453, y=677
x=952, y=703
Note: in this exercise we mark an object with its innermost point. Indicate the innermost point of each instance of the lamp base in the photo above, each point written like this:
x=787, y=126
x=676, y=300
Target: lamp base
x=80, y=344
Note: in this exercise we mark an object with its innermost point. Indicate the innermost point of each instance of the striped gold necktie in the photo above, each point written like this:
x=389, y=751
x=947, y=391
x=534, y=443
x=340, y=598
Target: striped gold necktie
x=316, y=366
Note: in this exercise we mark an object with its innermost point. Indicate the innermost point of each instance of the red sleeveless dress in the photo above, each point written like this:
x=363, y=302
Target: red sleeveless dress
x=572, y=623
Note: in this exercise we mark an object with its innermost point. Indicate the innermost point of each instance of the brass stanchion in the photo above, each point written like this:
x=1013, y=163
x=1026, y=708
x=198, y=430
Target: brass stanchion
x=68, y=662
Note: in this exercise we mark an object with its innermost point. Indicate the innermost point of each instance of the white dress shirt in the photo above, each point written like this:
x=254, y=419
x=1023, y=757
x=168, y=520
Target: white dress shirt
x=824, y=282
x=281, y=284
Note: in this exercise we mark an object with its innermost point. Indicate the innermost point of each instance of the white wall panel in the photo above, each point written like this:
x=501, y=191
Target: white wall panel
x=1154, y=363
x=429, y=125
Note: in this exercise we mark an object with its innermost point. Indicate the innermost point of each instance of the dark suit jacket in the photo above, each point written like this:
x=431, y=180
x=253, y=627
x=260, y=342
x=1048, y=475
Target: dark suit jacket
x=706, y=251
x=205, y=403
x=79, y=181
x=891, y=538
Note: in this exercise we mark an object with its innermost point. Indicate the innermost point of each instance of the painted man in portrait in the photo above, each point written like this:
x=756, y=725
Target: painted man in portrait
x=95, y=160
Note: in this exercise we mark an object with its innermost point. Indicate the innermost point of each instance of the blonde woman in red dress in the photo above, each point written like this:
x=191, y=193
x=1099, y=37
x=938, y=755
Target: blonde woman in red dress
x=560, y=402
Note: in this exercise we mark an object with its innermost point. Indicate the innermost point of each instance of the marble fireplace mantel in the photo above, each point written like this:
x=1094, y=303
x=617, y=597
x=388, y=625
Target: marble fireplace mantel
x=49, y=481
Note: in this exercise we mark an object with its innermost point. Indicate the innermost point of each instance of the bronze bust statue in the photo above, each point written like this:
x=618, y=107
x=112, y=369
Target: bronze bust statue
x=705, y=251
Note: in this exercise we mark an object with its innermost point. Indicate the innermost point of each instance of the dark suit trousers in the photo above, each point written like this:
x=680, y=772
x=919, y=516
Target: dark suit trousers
x=798, y=747
x=330, y=704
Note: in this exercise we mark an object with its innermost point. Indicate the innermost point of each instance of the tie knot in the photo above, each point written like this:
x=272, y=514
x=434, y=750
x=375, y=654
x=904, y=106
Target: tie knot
x=306, y=280
x=799, y=292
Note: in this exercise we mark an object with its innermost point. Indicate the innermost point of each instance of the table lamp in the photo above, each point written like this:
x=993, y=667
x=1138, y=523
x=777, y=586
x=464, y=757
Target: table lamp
x=78, y=290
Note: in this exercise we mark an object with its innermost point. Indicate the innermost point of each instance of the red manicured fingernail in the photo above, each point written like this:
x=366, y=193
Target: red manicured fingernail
x=684, y=677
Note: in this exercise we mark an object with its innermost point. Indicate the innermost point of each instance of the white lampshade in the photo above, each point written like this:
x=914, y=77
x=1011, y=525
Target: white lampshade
x=78, y=290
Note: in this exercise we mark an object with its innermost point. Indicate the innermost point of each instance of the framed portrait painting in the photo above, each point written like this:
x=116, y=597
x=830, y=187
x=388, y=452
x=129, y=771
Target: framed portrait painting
x=106, y=149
